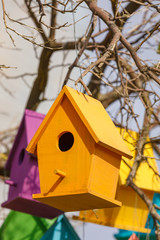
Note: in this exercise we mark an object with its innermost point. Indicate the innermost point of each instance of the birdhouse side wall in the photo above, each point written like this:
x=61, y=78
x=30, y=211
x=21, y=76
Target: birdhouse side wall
x=133, y=213
x=75, y=162
x=104, y=171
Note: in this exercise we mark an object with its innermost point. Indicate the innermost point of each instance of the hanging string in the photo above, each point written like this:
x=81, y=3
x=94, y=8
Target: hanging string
x=147, y=236
x=74, y=34
x=148, y=226
x=83, y=234
x=3, y=210
x=76, y=47
x=135, y=216
x=83, y=226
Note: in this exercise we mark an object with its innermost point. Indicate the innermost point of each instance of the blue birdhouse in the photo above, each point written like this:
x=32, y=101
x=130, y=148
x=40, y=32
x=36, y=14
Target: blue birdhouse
x=61, y=230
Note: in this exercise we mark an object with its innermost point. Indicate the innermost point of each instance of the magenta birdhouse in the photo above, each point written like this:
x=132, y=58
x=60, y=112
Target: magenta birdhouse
x=24, y=174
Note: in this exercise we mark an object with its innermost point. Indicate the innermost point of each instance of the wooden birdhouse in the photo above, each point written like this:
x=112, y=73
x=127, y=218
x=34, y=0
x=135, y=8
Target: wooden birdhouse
x=61, y=229
x=79, y=152
x=24, y=174
x=133, y=213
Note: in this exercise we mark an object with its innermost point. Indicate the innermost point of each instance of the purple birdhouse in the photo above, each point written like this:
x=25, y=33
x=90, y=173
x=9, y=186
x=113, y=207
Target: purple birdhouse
x=24, y=174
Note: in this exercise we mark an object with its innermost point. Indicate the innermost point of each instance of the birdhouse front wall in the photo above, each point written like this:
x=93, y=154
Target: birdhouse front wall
x=18, y=158
x=24, y=171
x=65, y=130
x=104, y=171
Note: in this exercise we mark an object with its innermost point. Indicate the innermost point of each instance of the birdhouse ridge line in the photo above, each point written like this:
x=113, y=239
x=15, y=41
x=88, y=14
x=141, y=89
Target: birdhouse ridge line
x=101, y=128
x=97, y=129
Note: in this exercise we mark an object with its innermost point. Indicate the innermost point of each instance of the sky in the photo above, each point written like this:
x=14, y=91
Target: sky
x=14, y=92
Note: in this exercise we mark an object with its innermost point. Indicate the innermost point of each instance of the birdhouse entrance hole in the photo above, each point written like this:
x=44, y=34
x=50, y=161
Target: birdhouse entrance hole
x=65, y=141
x=21, y=156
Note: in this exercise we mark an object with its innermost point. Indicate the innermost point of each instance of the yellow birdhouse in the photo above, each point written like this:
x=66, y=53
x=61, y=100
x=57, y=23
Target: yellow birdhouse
x=133, y=213
x=79, y=151
x=145, y=177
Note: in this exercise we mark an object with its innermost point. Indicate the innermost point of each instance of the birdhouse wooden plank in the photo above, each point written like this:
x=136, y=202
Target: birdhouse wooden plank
x=61, y=229
x=133, y=213
x=24, y=174
x=79, y=152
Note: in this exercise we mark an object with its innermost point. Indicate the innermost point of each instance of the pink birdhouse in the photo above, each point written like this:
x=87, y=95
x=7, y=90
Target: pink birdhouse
x=133, y=237
x=24, y=174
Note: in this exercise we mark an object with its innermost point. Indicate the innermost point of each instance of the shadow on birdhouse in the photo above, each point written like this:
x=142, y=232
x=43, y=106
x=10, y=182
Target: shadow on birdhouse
x=133, y=213
x=24, y=174
x=79, y=152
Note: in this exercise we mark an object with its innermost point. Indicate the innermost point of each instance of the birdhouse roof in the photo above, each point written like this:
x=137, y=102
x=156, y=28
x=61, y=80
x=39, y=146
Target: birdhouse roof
x=29, y=123
x=95, y=118
x=61, y=225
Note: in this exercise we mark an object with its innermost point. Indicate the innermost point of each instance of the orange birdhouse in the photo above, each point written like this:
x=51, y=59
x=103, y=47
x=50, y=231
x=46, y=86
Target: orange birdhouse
x=79, y=152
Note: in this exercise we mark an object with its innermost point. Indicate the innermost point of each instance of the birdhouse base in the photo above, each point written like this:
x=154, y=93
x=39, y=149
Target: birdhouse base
x=29, y=205
x=120, y=226
x=77, y=202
